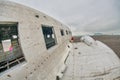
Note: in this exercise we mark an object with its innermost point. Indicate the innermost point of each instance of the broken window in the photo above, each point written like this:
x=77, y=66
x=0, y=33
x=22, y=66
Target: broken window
x=70, y=33
x=10, y=51
x=62, y=32
x=49, y=36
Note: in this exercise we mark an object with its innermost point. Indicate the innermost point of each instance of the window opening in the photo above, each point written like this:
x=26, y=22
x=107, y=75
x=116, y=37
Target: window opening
x=62, y=32
x=10, y=50
x=49, y=36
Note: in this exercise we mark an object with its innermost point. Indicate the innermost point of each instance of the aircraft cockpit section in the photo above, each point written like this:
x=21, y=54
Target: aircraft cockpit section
x=10, y=50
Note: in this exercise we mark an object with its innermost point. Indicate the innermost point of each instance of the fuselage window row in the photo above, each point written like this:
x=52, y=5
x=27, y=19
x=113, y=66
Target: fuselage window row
x=10, y=50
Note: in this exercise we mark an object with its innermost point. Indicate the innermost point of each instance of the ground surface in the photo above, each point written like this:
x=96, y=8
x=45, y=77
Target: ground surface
x=113, y=41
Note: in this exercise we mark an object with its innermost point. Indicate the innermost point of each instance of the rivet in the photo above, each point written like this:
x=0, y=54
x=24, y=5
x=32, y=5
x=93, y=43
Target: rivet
x=26, y=77
x=9, y=75
x=30, y=72
x=34, y=69
x=37, y=16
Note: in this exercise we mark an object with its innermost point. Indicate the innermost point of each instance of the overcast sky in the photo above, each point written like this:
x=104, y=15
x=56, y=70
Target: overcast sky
x=83, y=16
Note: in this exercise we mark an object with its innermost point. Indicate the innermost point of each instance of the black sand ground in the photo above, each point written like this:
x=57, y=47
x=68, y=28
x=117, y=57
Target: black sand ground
x=113, y=41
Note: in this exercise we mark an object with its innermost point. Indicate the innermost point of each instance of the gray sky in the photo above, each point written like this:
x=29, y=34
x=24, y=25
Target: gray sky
x=83, y=16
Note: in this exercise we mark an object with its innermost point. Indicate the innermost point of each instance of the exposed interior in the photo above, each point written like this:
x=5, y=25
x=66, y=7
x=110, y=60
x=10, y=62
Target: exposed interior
x=10, y=50
x=49, y=36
